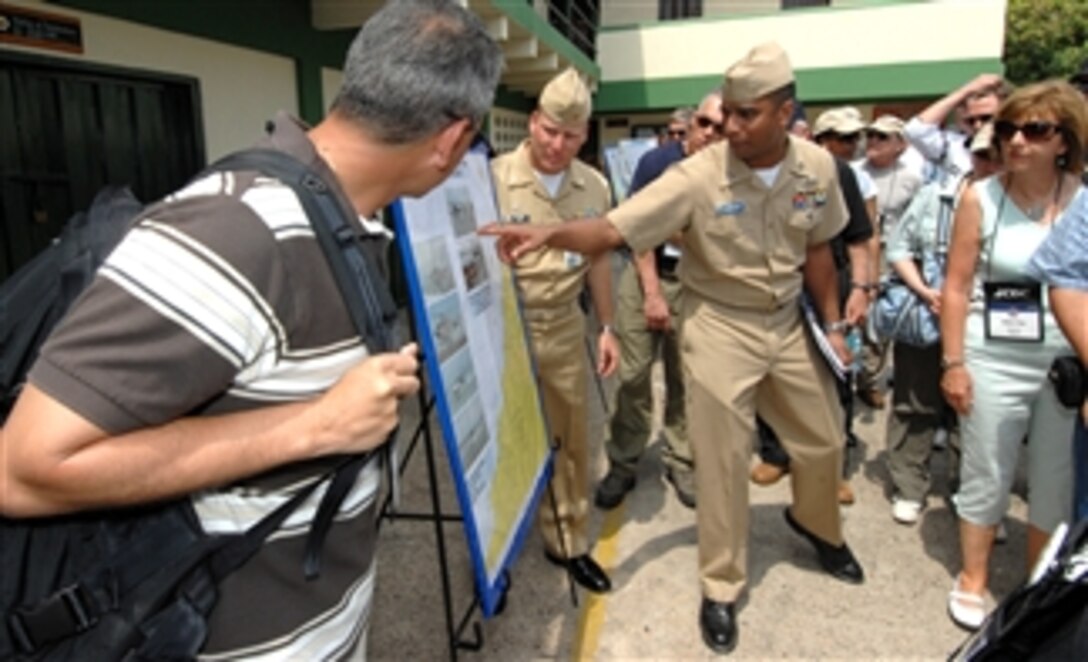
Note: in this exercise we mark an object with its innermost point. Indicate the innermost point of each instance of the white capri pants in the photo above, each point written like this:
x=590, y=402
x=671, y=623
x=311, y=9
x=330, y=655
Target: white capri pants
x=1014, y=398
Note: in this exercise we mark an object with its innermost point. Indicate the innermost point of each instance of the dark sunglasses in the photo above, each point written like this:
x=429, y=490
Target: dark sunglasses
x=1033, y=131
x=704, y=122
x=677, y=133
x=876, y=136
x=846, y=137
x=977, y=120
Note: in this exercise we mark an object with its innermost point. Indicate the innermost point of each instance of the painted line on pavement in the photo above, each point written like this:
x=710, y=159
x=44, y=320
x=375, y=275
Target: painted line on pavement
x=591, y=620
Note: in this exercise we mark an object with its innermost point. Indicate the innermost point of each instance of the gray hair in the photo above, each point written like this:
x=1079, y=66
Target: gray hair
x=682, y=114
x=417, y=65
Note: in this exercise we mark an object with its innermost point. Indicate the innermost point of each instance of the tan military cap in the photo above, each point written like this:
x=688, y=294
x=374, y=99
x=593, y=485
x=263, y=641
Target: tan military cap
x=888, y=125
x=763, y=70
x=983, y=138
x=843, y=121
x=565, y=99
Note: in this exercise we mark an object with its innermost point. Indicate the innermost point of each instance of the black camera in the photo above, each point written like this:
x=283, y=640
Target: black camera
x=1069, y=379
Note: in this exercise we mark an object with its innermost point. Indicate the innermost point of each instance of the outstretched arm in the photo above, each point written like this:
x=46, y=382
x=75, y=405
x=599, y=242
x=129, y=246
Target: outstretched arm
x=589, y=237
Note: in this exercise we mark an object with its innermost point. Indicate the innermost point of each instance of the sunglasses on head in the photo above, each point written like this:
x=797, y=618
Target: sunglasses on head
x=977, y=120
x=704, y=122
x=1033, y=131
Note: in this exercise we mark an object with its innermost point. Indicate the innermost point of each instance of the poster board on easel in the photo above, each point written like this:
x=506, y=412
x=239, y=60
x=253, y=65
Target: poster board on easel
x=479, y=367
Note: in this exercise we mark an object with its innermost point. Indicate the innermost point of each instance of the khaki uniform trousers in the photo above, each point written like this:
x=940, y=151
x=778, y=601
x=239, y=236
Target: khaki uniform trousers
x=629, y=429
x=739, y=362
x=558, y=336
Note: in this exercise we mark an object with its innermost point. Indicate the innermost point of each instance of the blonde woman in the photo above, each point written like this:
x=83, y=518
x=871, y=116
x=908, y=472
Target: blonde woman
x=999, y=338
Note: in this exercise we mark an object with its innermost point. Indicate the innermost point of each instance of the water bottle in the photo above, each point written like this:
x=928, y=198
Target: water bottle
x=853, y=343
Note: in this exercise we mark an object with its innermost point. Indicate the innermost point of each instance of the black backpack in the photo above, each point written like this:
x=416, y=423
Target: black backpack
x=138, y=583
x=1043, y=621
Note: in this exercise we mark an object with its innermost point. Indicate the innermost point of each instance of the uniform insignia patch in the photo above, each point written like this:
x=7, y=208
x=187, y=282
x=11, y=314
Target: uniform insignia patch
x=733, y=208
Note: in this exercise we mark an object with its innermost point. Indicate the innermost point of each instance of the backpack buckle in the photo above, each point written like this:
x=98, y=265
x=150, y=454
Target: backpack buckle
x=67, y=612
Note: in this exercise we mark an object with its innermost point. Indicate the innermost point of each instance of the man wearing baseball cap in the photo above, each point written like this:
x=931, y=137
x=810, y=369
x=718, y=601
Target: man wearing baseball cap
x=755, y=215
x=541, y=182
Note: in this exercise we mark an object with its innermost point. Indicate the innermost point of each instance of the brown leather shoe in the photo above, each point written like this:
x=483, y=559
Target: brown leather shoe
x=873, y=398
x=846, y=493
x=766, y=473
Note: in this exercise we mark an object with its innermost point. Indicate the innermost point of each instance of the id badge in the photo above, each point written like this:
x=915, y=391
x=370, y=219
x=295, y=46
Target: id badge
x=1014, y=311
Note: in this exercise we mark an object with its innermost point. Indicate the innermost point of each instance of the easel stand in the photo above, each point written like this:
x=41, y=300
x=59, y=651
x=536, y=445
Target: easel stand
x=455, y=631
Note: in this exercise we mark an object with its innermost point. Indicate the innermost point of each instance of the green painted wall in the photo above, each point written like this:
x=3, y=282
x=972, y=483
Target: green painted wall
x=282, y=27
x=841, y=84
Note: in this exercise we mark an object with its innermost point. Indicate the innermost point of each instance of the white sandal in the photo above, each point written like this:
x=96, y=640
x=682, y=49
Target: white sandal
x=968, y=610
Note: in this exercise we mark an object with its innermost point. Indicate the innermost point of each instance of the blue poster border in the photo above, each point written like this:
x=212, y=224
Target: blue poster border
x=490, y=592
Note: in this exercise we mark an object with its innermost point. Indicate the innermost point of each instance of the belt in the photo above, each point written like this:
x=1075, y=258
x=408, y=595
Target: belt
x=666, y=266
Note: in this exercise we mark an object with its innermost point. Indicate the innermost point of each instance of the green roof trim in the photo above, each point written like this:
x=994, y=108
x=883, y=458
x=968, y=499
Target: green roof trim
x=831, y=85
x=524, y=15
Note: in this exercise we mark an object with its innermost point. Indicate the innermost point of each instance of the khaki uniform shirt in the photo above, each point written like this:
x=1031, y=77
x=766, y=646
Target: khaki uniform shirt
x=744, y=243
x=548, y=277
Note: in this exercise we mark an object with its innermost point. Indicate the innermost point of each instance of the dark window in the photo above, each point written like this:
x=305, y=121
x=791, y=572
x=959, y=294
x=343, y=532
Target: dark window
x=577, y=20
x=670, y=9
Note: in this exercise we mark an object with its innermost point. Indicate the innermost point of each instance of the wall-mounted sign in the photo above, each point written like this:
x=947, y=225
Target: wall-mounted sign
x=39, y=29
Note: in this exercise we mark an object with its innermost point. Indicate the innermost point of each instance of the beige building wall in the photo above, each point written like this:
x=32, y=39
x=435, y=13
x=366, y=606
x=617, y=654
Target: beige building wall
x=233, y=114
x=814, y=40
x=628, y=12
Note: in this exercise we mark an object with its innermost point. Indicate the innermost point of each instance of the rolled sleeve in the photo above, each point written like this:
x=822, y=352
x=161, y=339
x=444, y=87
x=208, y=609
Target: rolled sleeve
x=1062, y=259
x=656, y=212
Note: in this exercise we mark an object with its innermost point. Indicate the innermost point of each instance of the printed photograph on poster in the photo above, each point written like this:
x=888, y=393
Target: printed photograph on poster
x=459, y=378
x=476, y=354
x=462, y=214
x=435, y=268
x=447, y=326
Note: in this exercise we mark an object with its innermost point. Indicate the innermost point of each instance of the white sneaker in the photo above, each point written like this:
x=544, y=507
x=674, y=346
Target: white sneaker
x=968, y=610
x=906, y=511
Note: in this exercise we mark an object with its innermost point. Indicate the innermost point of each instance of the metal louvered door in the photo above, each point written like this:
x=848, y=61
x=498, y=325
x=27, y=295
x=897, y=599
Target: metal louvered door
x=68, y=128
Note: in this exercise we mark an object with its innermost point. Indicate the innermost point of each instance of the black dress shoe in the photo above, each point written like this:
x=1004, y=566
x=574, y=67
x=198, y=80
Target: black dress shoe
x=613, y=489
x=585, y=571
x=839, y=561
x=718, y=622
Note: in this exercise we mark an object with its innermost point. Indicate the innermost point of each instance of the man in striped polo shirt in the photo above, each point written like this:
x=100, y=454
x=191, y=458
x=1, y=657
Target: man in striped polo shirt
x=213, y=356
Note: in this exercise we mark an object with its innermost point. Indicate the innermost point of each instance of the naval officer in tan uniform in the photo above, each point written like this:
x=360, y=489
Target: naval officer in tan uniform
x=541, y=182
x=755, y=214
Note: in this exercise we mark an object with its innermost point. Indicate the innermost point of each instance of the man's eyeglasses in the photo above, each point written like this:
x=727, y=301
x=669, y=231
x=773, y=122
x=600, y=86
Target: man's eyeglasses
x=876, y=136
x=704, y=122
x=976, y=121
x=1032, y=131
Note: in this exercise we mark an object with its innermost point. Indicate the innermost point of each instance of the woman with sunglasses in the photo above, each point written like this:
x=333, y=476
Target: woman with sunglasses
x=999, y=338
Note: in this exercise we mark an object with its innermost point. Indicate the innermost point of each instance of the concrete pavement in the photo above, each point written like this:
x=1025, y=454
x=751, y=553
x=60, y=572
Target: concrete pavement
x=792, y=609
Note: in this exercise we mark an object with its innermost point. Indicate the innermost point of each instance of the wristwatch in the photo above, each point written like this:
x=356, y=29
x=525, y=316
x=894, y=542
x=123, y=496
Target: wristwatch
x=838, y=325
x=607, y=328
x=864, y=287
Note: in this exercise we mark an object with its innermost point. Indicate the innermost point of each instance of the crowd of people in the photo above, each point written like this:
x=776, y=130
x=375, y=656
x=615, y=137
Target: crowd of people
x=742, y=225
x=771, y=215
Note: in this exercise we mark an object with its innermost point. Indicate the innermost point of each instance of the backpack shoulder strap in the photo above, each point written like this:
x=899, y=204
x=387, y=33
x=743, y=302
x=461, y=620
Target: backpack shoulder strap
x=363, y=290
x=353, y=263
